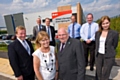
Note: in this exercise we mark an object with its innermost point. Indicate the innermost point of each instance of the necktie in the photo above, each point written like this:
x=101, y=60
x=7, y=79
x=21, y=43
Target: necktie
x=48, y=32
x=26, y=47
x=89, y=31
x=73, y=30
x=62, y=47
x=39, y=28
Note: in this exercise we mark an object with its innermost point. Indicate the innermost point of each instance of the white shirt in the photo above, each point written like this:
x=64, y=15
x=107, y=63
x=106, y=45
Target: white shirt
x=47, y=27
x=21, y=41
x=101, y=49
x=48, y=57
x=84, y=31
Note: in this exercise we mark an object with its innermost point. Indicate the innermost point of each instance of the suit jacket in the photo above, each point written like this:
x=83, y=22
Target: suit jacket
x=53, y=34
x=110, y=43
x=71, y=62
x=20, y=60
x=36, y=30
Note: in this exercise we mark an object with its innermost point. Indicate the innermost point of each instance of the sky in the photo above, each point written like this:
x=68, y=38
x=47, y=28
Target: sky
x=97, y=7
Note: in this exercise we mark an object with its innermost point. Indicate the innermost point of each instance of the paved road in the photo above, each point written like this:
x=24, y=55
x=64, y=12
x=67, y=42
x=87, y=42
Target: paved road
x=5, y=55
x=4, y=78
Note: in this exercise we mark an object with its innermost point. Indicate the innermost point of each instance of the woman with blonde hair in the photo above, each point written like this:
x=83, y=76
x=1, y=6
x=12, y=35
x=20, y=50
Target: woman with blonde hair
x=44, y=60
x=106, y=41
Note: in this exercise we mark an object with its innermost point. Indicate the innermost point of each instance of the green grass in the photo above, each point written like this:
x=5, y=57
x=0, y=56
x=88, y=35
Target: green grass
x=3, y=31
x=3, y=48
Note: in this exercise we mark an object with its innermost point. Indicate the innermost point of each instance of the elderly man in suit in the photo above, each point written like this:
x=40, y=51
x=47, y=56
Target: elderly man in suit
x=51, y=31
x=71, y=62
x=20, y=56
x=37, y=28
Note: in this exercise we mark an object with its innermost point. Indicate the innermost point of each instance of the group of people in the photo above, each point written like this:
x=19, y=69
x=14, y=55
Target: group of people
x=67, y=59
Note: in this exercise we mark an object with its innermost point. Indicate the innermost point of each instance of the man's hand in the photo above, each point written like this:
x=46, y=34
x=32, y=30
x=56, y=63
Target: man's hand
x=20, y=78
x=88, y=41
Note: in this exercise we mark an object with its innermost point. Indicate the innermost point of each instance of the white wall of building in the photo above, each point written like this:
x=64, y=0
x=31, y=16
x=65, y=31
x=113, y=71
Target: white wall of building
x=30, y=19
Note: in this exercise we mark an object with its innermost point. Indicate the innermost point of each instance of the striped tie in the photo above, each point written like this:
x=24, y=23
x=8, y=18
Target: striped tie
x=26, y=47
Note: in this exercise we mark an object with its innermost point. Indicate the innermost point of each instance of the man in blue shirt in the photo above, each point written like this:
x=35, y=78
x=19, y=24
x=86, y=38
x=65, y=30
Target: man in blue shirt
x=74, y=28
x=87, y=32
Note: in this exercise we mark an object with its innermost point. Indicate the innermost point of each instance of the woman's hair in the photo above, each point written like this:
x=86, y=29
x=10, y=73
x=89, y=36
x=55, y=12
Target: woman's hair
x=39, y=37
x=101, y=21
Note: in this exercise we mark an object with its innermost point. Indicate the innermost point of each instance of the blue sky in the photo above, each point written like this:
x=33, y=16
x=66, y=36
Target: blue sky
x=97, y=7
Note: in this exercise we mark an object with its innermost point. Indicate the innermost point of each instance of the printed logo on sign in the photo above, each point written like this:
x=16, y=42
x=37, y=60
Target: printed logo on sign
x=54, y=14
x=61, y=17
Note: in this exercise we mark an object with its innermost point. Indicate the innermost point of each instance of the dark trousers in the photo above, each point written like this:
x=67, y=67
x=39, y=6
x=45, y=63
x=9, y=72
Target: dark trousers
x=29, y=77
x=77, y=38
x=89, y=48
x=103, y=67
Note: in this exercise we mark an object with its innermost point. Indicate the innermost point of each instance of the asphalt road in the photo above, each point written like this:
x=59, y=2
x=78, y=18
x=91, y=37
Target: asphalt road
x=5, y=55
x=4, y=78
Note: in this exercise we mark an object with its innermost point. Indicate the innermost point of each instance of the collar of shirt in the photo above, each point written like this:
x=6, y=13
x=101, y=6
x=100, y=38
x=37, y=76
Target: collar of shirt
x=90, y=23
x=47, y=27
x=61, y=45
x=74, y=23
x=21, y=41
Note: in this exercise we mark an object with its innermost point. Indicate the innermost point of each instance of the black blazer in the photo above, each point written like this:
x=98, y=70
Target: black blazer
x=52, y=33
x=71, y=62
x=20, y=61
x=110, y=43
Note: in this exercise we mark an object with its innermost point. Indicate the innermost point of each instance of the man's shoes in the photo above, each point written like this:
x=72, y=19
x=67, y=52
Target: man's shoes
x=91, y=68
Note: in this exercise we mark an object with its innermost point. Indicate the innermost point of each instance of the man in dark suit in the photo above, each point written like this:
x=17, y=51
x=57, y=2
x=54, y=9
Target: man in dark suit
x=51, y=31
x=71, y=62
x=20, y=56
x=37, y=28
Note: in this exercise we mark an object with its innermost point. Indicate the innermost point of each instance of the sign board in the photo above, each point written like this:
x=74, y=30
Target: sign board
x=61, y=17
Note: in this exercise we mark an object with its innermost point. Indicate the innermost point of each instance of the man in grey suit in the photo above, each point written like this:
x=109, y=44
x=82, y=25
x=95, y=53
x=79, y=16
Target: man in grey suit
x=38, y=28
x=71, y=62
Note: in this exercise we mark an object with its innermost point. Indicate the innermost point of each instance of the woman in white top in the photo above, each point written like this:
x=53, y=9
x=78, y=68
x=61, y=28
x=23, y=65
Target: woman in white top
x=106, y=41
x=44, y=60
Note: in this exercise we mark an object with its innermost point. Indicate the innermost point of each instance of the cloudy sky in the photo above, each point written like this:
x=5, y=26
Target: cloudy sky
x=97, y=7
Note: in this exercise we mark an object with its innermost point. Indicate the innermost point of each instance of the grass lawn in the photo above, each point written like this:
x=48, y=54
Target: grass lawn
x=4, y=48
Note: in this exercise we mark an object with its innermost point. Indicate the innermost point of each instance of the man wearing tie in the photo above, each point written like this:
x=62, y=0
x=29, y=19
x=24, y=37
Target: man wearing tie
x=51, y=31
x=74, y=28
x=87, y=32
x=20, y=56
x=37, y=28
x=71, y=62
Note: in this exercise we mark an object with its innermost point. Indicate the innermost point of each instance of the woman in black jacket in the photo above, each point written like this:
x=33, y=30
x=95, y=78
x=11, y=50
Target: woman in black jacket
x=106, y=42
